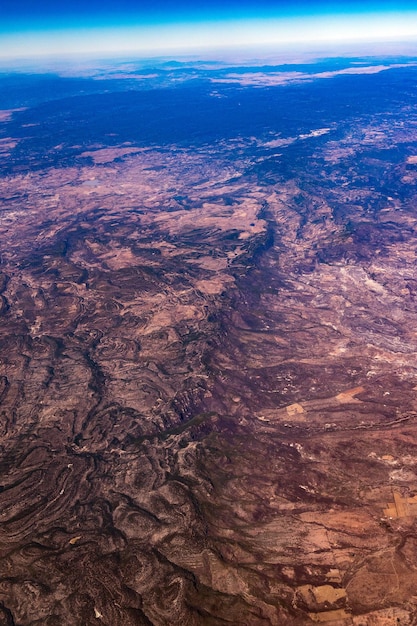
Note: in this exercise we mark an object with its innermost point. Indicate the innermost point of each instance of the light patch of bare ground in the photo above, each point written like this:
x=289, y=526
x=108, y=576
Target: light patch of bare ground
x=7, y=114
x=337, y=617
x=325, y=603
x=216, y=285
x=323, y=594
x=6, y=146
x=295, y=411
x=401, y=506
x=393, y=616
x=107, y=155
x=349, y=395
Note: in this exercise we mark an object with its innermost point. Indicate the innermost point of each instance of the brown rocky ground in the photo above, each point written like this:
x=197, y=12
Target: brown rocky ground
x=208, y=393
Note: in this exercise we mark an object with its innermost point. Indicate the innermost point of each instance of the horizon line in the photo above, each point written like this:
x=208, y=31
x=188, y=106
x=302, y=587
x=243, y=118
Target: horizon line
x=189, y=37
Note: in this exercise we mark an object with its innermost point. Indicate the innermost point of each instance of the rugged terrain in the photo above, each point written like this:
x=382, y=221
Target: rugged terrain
x=208, y=359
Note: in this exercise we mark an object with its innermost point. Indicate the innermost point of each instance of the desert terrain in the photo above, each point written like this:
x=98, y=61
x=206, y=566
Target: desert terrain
x=208, y=403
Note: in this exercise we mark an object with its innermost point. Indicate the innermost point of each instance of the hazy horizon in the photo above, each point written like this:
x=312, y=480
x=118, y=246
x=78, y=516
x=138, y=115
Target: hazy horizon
x=166, y=27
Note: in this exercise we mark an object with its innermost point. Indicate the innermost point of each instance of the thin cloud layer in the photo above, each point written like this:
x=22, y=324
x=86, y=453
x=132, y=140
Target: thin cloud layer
x=263, y=79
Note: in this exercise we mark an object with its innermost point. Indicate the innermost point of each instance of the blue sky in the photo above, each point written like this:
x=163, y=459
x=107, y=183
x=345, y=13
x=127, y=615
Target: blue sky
x=31, y=27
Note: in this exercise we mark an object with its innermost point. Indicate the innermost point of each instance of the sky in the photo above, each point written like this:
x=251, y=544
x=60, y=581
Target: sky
x=52, y=27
